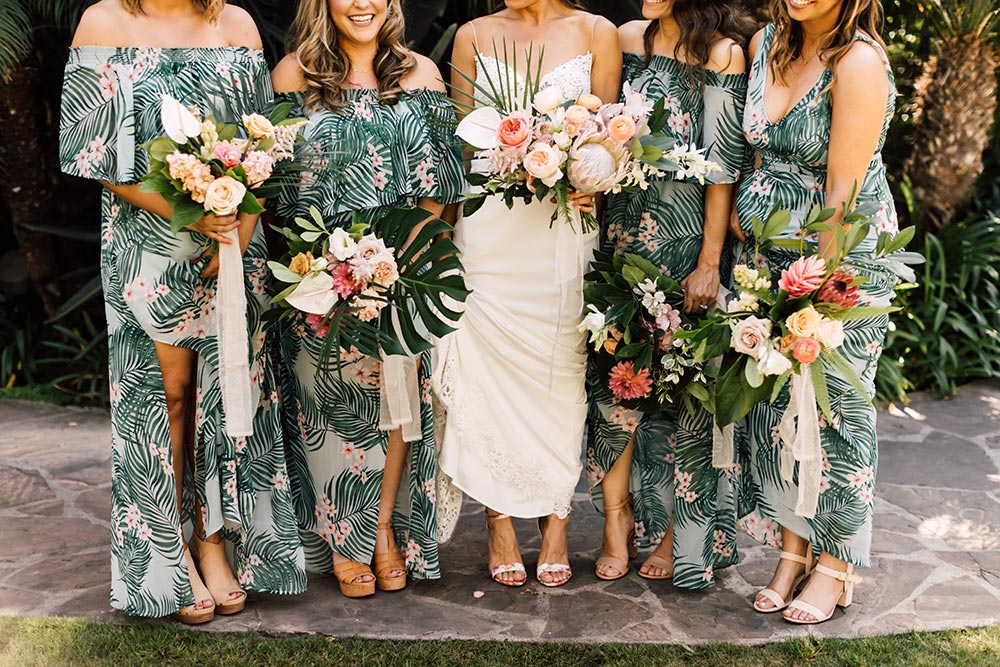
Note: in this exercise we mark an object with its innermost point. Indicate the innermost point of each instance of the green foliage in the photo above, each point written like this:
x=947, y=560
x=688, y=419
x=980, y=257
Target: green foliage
x=947, y=331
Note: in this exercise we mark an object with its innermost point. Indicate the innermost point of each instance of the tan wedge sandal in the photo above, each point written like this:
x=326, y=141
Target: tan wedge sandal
x=613, y=561
x=847, y=577
x=213, y=565
x=387, y=562
x=772, y=595
x=203, y=610
x=349, y=570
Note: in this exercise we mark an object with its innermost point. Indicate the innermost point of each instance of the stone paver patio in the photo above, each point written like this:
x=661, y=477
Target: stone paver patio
x=936, y=549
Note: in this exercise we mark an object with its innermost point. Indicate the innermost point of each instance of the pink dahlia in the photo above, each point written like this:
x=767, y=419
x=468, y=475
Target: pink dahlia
x=626, y=384
x=804, y=276
x=839, y=289
x=315, y=323
x=343, y=280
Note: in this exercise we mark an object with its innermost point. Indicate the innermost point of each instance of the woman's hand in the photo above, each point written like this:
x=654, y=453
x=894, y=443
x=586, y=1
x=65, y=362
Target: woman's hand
x=701, y=288
x=247, y=226
x=734, y=227
x=579, y=200
x=215, y=227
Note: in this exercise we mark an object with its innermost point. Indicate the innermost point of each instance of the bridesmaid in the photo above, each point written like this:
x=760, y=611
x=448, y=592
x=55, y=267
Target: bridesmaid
x=381, y=132
x=820, y=102
x=173, y=464
x=691, y=53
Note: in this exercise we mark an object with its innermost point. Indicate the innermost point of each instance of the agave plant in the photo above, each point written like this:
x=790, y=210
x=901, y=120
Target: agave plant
x=956, y=99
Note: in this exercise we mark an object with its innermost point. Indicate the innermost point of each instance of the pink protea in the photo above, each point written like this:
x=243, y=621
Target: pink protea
x=343, y=280
x=804, y=276
x=626, y=384
x=840, y=289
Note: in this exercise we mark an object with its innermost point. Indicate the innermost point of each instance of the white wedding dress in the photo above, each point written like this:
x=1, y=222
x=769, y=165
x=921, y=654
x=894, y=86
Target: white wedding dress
x=512, y=376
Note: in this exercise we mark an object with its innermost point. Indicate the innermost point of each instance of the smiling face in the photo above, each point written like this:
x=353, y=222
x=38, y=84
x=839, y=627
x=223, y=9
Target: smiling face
x=655, y=9
x=359, y=21
x=813, y=10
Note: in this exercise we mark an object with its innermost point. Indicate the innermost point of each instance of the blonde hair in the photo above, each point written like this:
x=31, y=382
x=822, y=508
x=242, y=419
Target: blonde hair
x=211, y=8
x=325, y=66
x=855, y=15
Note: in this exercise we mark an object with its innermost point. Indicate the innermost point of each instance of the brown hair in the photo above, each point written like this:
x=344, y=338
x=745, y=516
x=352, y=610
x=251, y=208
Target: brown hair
x=325, y=66
x=703, y=23
x=211, y=8
x=855, y=15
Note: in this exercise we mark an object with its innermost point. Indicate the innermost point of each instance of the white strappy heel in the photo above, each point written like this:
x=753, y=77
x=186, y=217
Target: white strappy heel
x=772, y=595
x=847, y=577
x=515, y=567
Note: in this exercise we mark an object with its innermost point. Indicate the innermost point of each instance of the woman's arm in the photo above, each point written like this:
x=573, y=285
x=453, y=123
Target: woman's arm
x=463, y=59
x=859, y=96
x=606, y=73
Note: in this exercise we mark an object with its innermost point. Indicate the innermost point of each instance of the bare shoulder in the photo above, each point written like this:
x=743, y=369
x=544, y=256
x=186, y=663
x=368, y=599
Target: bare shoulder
x=602, y=28
x=286, y=77
x=632, y=35
x=425, y=76
x=102, y=24
x=860, y=62
x=239, y=28
x=727, y=57
x=755, y=42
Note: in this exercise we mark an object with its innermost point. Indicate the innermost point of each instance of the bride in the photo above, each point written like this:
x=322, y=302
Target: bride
x=512, y=375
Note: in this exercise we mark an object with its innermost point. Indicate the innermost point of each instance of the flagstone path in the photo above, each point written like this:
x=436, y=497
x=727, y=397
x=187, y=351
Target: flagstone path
x=936, y=549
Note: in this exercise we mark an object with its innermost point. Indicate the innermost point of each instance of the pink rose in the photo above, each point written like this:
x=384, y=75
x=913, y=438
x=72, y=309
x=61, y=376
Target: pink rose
x=515, y=130
x=804, y=276
x=577, y=115
x=806, y=350
x=384, y=270
x=751, y=336
x=228, y=154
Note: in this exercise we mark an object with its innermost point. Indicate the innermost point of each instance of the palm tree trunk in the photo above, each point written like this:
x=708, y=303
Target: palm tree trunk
x=25, y=183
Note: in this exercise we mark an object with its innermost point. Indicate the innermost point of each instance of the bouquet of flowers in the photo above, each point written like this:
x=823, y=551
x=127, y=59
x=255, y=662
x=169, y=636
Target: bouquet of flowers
x=201, y=166
x=366, y=287
x=533, y=144
x=634, y=316
x=773, y=333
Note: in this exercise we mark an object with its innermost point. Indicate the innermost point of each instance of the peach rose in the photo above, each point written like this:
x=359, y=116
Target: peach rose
x=515, y=130
x=548, y=99
x=544, y=162
x=577, y=115
x=621, y=129
x=589, y=101
x=257, y=126
x=301, y=263
x=751, y=336
x=610, y=345
x=806, y=350
x=804, y=323
x=224, y=195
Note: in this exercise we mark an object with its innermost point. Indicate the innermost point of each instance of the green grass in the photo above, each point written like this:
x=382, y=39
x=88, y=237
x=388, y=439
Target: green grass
x=74, y=643
x=38, y=392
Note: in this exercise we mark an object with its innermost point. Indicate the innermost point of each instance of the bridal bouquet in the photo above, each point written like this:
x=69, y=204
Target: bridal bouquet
x=634, y=316
x=367, y=287
x=202, y=166
x=534, y=144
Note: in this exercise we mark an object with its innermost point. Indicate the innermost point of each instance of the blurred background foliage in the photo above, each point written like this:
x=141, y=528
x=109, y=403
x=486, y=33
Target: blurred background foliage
x=943, y=156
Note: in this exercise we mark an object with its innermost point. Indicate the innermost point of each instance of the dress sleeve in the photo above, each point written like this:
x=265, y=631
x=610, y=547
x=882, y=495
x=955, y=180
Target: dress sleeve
x=97, y=123
x=438, y=166
x=725, y=98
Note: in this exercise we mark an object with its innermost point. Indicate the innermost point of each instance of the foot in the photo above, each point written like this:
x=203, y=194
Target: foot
x=360, y=579
x=660, y=564
x=202, y=596
x=213, y=566
x=619, y=534
x=822, y=592
x=783, y=582
x=503, y=550
x=554, y=550
x=385, y=545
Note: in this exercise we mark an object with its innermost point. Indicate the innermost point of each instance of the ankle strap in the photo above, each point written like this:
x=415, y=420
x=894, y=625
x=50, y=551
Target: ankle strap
x=795, y=558
x=387, y=525
x=847, y=576
x=625, y=503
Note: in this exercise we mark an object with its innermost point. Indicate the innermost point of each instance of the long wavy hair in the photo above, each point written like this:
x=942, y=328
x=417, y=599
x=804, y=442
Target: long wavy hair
x=702, y=24
x=325, y=65
x=211, y=8
x=855, y=15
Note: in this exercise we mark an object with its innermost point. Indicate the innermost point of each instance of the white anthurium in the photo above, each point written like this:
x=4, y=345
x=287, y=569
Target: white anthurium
x=314, y=294
x=342, y=245
x=479, y=128
x=178, y=121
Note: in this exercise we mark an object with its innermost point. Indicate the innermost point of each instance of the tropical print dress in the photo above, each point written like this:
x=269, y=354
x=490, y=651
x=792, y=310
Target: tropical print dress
x=672, y=473
x=368, y=157
x=154, y=292
x=792, y=175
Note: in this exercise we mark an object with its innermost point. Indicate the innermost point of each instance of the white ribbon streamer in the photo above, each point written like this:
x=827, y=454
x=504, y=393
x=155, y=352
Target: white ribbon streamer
x=399, y=392
x=801, y=442
x=723, y=449
x=233, y=340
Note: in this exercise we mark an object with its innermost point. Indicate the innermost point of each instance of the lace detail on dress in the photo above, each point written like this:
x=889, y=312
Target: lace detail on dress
x=522, y=474
x=571, y=77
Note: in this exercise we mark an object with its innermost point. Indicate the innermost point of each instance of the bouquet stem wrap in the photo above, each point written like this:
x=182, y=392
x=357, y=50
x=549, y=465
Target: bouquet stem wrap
x=399, y=392
x=801, y=442
x=234, y=352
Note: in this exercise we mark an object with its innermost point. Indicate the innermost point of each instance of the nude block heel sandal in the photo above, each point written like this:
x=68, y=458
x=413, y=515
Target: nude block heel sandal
x=847, y=577
x=772, y=595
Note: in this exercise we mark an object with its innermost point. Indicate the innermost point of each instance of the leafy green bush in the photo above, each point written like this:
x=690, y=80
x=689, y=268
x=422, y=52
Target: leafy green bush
x=947, y=330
